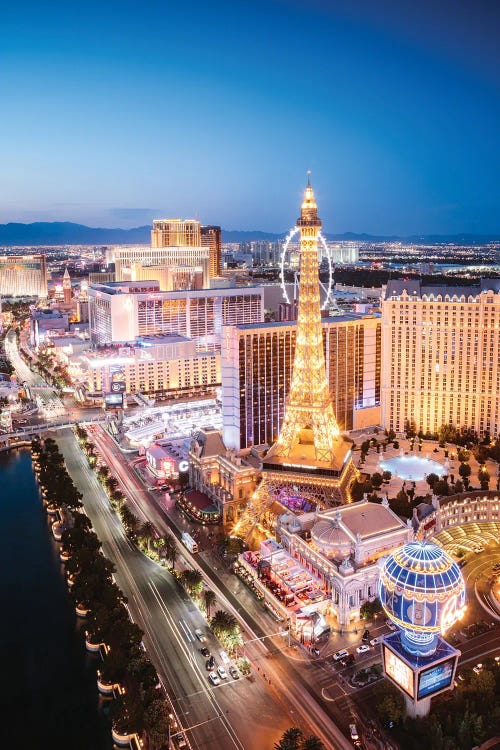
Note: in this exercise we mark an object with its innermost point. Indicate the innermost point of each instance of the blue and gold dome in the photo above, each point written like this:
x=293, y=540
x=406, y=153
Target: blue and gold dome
x=422, y=590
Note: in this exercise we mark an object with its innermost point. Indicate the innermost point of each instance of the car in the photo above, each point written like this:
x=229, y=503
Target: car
x=222, y=672
x=375, y=641
x=315, y=651
x=234, y=672
x=477, y=550
x=338, y=655
x=214, y=678
x=363, y=648
x=354, y=732
x=210, y=664
x=205, y=652
x=477, y=668
x=348, y=660
x=200, y=635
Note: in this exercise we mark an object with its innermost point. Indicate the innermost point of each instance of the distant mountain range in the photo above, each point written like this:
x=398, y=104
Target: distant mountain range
x=67, y=233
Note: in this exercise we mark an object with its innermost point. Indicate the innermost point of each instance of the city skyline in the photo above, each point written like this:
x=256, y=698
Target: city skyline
x=112, y=124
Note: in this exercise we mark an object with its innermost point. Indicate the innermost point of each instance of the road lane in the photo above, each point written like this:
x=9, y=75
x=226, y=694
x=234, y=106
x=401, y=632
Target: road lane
x=242, y=714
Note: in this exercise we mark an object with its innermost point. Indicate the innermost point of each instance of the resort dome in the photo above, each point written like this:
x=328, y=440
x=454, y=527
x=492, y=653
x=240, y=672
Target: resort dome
x=331, y=539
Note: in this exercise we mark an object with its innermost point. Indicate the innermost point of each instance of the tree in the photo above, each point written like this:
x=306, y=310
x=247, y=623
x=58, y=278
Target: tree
x=209, y=598
x=192, y=580
x=129, y=520
x=386, y=476
x=441, y=488
x=170, y=549
x=147, y=534
x=431, y=479
x=312, y=743
x=484, y=682
x=291, y=739
x=377, y=480
x=458, y=488
x=391, y=707
x=156, y=722
x=226, y=629
x=464, y=470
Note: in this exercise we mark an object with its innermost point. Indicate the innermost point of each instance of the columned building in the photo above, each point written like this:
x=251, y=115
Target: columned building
x=441, y=356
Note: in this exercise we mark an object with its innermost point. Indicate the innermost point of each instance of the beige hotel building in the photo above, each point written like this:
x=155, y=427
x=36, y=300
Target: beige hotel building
x=441, y=356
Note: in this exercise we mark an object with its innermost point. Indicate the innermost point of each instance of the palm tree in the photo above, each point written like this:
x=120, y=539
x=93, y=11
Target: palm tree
x=290, y=740
x=171, y=550
x=129, y=521
x=209, y=597
x=147, y=533
x=192, y=581
x=226, y=629
x=313, y=743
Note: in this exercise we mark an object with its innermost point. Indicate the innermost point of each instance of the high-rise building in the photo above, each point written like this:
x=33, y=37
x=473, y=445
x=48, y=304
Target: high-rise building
x=151, y=260
x=257, y=364
x=175, y=233
x=441, y=356
x=23, y=276
x=122, y=311
x=211, y=237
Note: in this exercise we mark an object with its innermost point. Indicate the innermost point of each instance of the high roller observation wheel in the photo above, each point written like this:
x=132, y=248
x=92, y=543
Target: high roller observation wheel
x=291, y=234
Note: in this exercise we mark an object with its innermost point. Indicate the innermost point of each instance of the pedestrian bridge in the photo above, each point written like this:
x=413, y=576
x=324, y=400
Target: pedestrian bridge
x=22, y=433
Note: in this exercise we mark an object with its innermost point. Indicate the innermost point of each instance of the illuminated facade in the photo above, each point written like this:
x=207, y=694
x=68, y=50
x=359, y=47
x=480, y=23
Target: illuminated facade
x=226, y=478
x=441, y=356
x=175, y=232
x=155, y=258
x=211, y=237
x=23, y=276
x=257, y=364
x=310, y=455
x=422, y=590
x=156, y=365
x=120, y=312
x=309, y=418
x=341, y=548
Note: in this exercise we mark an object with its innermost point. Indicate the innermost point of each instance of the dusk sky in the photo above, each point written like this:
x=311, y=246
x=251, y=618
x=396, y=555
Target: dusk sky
x=113, y=113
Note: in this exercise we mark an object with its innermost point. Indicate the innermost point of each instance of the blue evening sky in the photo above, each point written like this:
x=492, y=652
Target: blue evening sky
x=113, y=113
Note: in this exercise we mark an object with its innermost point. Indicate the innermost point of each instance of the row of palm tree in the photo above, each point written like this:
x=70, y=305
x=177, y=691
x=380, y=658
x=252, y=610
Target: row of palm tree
x=141, y=706
x=294, y=739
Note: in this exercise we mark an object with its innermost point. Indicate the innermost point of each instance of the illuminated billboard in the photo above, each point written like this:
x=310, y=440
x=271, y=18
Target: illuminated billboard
x=398, y=671
x=435, y=678
x=113, y=400
x=118, y=381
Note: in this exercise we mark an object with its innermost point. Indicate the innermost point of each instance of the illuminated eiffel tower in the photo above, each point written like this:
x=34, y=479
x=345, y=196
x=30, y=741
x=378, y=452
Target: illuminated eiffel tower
x=310, y=457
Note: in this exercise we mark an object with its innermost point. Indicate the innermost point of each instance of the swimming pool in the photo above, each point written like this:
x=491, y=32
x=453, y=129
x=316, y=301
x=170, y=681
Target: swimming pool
x=414, y=468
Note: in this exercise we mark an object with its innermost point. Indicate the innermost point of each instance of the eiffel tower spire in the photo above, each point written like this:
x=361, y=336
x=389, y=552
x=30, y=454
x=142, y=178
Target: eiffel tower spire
x=309, y=416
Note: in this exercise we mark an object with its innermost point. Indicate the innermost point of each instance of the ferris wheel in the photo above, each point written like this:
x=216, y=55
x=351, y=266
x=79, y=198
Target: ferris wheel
x=324, y=253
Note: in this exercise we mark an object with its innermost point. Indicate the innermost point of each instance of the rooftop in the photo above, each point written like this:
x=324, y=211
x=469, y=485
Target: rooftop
x=414, y=288
x=367, y=519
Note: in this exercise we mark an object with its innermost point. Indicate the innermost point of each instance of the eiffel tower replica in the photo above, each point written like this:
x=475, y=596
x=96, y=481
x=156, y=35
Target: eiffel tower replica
x=310, y=458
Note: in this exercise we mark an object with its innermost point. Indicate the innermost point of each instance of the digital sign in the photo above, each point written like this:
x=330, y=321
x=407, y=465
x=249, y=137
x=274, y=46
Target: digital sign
x=113, y=400
x=398, y=671
x=435, y=678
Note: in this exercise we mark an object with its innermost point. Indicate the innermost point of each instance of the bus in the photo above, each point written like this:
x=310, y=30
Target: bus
x=189, y=542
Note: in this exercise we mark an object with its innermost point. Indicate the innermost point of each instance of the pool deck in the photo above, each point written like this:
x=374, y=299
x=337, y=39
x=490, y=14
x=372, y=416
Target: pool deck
x=371, y=464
